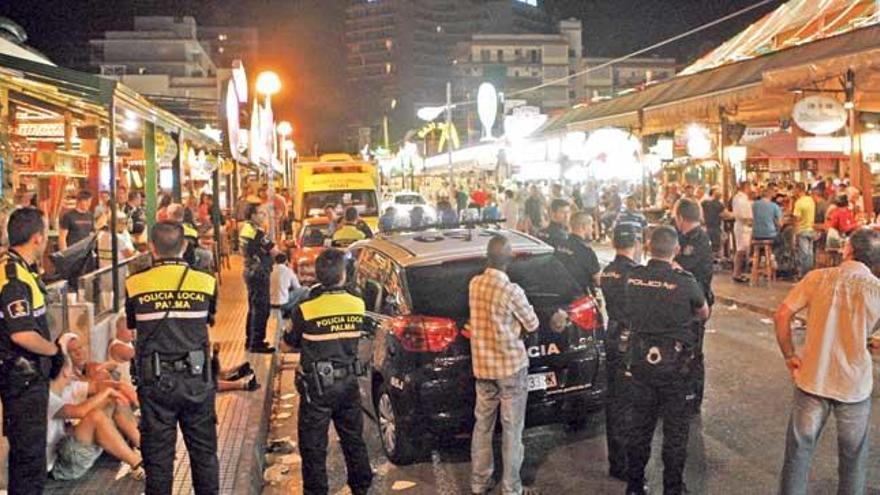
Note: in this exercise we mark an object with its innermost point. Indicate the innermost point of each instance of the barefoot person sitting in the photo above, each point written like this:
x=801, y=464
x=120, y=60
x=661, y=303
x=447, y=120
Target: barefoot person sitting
x=79, y=429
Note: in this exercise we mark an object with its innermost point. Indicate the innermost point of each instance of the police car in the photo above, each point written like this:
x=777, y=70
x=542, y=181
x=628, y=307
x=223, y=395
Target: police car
x=420, y=385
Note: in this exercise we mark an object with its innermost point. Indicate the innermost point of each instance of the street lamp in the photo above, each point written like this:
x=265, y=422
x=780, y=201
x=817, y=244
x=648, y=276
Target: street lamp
x=268, y=83
x=284, y=130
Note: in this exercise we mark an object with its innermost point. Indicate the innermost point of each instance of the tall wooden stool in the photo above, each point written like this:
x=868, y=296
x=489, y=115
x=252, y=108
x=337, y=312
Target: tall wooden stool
x=762, y=250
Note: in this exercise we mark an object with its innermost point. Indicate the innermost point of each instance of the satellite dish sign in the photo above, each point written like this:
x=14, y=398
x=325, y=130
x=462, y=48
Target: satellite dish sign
x=820, y=115
x=487, y=108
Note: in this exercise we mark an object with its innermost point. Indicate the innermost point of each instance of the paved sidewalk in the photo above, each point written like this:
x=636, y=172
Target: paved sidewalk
x=242, y=417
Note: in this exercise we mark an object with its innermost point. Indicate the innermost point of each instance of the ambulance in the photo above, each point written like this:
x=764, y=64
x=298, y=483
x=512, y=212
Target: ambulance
x=339, y=180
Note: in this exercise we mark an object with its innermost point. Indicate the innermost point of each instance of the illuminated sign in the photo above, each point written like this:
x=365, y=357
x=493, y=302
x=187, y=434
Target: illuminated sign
x=487, y=108
x=820, y=115
x=446, y=134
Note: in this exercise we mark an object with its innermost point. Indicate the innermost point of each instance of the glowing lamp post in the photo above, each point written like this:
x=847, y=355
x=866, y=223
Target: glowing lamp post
x=268, y=84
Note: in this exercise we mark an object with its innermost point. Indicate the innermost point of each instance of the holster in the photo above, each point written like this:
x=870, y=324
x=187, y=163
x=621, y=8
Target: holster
x=17, y=373
x=660, y=354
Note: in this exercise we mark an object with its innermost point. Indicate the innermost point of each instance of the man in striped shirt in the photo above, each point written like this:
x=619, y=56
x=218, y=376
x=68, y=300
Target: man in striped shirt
x=499, y=313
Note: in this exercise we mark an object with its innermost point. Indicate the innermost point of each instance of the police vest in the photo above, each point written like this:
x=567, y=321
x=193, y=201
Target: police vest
x=189, y=231
x=332, y=323
x=248, y=231
x=23, y=300
x=348, y=233
x=154, y=293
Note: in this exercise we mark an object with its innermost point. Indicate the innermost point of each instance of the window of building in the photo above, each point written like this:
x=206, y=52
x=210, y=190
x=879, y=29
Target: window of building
x=517, y=53
x=485, y=55
x=500, y=55
x=388, y=68
x=222, y=37
x=534, y=56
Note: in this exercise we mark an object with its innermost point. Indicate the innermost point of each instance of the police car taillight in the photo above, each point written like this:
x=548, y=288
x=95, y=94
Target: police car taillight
x=424, y=333
x=584, y=313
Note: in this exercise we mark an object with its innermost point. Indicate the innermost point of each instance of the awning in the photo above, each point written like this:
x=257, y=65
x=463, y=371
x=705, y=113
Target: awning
x=783, y=145
x=737, y=86
x=88, y=93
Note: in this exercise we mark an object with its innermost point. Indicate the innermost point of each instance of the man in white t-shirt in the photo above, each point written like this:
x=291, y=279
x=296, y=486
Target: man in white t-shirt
x=833, y=370
x=285, y=290
x=742, y=229
x=79, y=430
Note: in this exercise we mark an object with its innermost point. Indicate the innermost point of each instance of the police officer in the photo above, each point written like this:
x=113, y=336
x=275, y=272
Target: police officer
x=627, y=242
x=695, y=257
x=171, y=306
x=27, y=355
x=577, y=255
x=556, y=234
x=662, y=303
x=327, y=326
x=177, y=213
x=352, y=228
x=257, y=251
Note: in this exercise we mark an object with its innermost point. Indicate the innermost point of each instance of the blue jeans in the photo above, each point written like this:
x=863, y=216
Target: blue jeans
x=808, y=416
x=804, y=255
x=511, y=394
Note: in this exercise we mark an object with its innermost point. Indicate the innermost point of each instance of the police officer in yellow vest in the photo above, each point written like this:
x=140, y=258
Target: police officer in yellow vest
x=327, y=326
x=171, y=306
x=353, y=229
x=257, y=252
x=27, y=354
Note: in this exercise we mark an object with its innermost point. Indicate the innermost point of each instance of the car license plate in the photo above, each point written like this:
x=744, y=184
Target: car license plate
x=542, y=381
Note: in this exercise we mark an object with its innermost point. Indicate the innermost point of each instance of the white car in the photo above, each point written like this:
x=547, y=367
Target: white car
x=404, y=202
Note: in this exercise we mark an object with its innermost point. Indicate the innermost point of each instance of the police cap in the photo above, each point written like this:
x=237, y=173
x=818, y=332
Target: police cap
x=625, y=235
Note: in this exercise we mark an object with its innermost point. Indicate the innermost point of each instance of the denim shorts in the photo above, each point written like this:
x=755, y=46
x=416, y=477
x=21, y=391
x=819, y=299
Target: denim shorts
x=74, y=459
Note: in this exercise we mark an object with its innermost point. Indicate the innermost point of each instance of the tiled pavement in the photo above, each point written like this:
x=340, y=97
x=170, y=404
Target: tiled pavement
x=242, y=417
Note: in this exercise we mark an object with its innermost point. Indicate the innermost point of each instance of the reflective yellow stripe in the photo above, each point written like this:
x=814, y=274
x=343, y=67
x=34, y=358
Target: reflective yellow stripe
x=348, y=233
x=323, y=337
x=166, y=278
x=332, y=305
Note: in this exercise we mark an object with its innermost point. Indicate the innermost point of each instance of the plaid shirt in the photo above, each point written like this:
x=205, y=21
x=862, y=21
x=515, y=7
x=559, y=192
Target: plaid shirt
x=499, y=311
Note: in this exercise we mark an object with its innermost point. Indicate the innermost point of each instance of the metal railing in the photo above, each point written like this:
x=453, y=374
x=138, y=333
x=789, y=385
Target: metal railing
x=96, y=287
x=57, y=304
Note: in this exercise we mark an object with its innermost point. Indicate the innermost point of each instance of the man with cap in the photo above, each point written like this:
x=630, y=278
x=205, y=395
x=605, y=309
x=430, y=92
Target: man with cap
x=627, y=242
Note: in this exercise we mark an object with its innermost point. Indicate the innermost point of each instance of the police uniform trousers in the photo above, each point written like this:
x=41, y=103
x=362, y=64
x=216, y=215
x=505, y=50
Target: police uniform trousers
x=617, y=412
x=698, y=374
x=24, y=424
x=341, y=402
x=179, y=397
x=656, y=395
x=257, y=282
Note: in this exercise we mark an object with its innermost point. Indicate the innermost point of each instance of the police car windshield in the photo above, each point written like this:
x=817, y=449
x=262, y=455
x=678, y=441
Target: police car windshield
x=442, y=290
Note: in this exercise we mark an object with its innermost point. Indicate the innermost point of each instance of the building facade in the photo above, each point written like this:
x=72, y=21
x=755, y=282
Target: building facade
x=516, y=64
x=163, y=59
x=610, y=78
x=400, y=54
x=227, y=44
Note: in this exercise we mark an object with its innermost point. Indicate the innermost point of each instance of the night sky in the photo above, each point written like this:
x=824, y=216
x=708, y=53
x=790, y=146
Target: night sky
x=303, y=39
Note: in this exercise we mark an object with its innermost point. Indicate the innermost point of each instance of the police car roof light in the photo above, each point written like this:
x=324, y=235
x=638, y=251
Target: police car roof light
x=584, y=313
x=424, y=333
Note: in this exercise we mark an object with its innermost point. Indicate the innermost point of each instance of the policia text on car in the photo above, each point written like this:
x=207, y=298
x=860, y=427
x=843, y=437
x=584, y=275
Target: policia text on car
x=27, y=355
x=171, y=307
x=662, y=305
x=327, y=326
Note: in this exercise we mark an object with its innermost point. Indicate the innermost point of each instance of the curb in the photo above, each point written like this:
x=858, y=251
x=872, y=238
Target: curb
x=249, y=472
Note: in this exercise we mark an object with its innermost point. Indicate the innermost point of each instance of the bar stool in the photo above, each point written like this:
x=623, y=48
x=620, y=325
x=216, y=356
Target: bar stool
x=759, y=250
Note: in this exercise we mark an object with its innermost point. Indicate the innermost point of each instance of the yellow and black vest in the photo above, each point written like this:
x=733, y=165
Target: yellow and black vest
x=153, y=293
x=328, y=326
x=22, y=307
